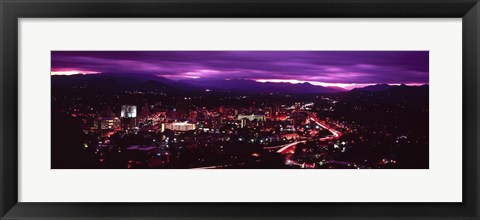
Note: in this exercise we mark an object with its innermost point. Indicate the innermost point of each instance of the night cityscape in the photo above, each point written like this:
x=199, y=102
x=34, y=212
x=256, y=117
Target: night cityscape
x=240, y=109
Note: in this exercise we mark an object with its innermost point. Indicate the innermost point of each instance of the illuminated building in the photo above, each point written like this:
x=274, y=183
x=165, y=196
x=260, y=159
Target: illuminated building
x=178, y=126
x=251, y=117
x=244, y=119
x=128, y=114
x=243, y=122
x=128, y=111
x=108, y=123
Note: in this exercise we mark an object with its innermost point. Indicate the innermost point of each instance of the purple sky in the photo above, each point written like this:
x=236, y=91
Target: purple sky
x=345, y=69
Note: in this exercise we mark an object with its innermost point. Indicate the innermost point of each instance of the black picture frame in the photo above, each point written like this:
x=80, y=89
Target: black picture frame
x=12, y=10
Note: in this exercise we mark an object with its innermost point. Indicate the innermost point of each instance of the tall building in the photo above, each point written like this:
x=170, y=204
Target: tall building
x=128, y=116
x=128, y=111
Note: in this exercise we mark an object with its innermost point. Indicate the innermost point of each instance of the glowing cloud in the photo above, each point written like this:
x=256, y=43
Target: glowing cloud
x=72, y=72
x=340, y=85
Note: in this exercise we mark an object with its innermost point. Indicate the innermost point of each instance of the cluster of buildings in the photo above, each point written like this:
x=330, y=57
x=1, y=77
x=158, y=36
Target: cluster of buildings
x=152, y=118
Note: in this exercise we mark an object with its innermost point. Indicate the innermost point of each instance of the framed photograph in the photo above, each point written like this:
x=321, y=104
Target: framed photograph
x=228, y=109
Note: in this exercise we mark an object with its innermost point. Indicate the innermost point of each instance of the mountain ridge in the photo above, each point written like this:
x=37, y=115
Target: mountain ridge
x=117, y=82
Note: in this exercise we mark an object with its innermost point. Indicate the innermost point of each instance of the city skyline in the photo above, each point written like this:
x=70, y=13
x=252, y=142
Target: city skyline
x=342, y=69
x=240, y=110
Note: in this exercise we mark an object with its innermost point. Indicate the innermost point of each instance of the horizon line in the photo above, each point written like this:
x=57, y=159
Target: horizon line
x=340, y=86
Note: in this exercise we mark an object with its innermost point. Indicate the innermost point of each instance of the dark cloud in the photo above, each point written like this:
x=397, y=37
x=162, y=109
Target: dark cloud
x=365, y=67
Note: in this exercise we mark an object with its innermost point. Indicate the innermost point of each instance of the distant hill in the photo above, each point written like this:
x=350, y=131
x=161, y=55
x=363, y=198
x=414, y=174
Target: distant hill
x=144, y=82
x=339, y=89
x=392, y=94
x=373, y=88
x=251, y=86
x=122, y=82
x=415, y=92
x=117, y=82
